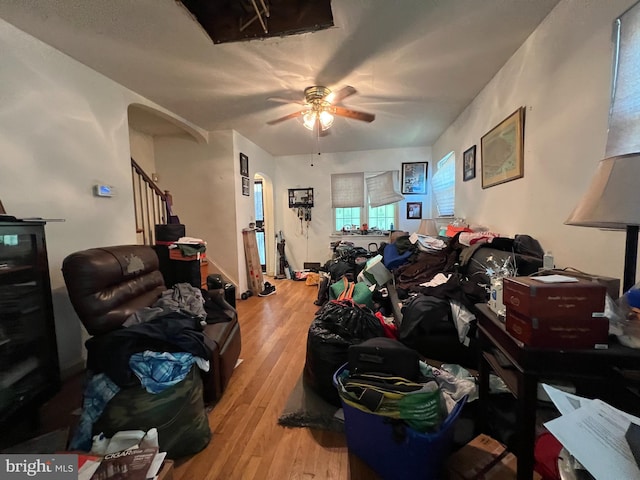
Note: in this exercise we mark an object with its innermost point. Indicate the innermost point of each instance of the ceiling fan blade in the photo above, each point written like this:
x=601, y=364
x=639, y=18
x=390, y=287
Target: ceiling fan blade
x=286, y=117
x=285, y=100
x=339, y=95
x=345, y=112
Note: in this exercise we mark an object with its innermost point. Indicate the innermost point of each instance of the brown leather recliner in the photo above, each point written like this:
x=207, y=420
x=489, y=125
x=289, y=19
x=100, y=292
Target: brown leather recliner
x=108, y=284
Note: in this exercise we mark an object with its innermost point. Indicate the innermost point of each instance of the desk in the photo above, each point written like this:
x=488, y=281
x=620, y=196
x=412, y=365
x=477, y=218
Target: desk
x=521, y=367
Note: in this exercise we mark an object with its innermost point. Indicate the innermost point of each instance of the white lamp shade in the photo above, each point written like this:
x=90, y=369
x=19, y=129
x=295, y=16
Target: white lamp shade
x=428, y=227
x=613, y=198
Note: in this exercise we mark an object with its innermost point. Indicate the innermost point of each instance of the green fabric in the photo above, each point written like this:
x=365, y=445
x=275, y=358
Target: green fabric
x=191, y=249
x=177, y=412
x=420, y=405
x=361, y=293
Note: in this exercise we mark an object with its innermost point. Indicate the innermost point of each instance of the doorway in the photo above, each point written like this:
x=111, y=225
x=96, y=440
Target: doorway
x=258, y=196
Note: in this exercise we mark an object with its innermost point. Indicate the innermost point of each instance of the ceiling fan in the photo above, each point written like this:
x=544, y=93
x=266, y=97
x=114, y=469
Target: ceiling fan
x=319, y=107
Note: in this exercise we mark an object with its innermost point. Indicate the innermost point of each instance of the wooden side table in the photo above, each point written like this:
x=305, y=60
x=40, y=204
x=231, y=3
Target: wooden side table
x=521, y=367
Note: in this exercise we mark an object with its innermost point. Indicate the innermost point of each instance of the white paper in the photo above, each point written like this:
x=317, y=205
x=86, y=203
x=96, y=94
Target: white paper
x=565, y=402
x=555, y=279
x=594, y=433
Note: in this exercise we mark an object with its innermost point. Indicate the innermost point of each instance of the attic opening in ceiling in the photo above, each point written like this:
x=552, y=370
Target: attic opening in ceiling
x=240, y=20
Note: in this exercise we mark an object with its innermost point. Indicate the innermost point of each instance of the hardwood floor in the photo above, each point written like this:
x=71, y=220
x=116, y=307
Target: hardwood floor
x=247, y=441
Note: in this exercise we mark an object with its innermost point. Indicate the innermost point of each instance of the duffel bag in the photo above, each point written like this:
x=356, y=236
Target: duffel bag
x=177, y=412
x=384, y=355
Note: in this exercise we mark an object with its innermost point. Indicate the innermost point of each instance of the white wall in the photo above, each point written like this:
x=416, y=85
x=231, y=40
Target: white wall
x=202, y=181
x=63, y=129
x=562, y=75
x=142, y=150
x=313, y=244
x=261, y=163
x=205, y=182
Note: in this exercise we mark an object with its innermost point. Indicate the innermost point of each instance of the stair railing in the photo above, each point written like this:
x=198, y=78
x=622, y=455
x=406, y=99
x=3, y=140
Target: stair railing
x=152, y=206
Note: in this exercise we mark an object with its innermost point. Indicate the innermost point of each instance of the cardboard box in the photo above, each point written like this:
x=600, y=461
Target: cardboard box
x=532, y=298
x=562, y=333
x=483, y=458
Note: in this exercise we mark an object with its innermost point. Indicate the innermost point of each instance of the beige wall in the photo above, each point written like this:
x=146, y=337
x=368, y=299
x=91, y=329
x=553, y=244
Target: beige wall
x=562, y=75
x=312, y=244
x=63, y=129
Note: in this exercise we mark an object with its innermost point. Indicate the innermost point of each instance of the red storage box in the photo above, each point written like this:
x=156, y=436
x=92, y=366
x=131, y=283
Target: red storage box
x=565, y=315
x=562, y=333
x=530, y=297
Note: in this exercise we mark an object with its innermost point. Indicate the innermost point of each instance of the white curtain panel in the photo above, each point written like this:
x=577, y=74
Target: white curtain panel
x=384, y=189
x=347, y=190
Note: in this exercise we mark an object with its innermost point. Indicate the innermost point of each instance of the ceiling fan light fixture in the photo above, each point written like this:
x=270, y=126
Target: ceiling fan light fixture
x=318, y=108
x=324, y=118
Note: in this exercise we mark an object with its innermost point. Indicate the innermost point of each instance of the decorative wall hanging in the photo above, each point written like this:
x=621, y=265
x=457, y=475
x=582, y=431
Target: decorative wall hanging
x=502, y=151
x=244, y=165
x=469, y=164
x=414, y=210
x=245, y=186
x=300, y=197
x=414, y=178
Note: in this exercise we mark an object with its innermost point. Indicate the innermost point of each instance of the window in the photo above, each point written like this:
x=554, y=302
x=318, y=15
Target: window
x=443, y=184
x=381, y=186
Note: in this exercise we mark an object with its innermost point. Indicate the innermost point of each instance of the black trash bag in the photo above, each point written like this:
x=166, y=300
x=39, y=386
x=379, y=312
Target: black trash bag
x=424, y=316
x=337, y=325
x=350, y=320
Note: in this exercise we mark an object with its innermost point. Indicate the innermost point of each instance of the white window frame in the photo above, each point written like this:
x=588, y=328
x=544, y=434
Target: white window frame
x=364, y=211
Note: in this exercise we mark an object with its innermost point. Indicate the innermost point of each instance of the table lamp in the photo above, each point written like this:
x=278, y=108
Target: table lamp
x=428, y=227
x=612, y=201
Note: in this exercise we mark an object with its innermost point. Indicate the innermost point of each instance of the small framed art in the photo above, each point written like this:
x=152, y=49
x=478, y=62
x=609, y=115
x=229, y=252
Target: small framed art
x=414, y=177
x=414, y=210
x=469, y=164
x=244, y=165
x=245, y=186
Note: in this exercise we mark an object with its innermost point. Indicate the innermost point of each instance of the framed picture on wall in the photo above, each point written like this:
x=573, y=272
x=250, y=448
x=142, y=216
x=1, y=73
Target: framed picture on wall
x=469, y=164
x=414, y=178
x=414, y=210
x=502, y=151
x=245, y=186
x=244, y=165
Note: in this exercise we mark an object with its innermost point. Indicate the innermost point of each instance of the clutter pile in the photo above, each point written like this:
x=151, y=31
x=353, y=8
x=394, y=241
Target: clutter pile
x=398, y=418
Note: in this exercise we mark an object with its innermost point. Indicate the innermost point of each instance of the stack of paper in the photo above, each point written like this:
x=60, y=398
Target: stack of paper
x=594, y=433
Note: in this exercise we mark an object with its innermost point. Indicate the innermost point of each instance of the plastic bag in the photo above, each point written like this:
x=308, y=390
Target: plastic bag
x=337, y=325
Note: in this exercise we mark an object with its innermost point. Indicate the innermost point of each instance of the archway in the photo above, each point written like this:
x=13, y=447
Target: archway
x=266, y=205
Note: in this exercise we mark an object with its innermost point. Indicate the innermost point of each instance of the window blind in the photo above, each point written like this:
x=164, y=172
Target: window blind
x=443, y=185
x=347, y=190
x=383, y=189
x=624, y=114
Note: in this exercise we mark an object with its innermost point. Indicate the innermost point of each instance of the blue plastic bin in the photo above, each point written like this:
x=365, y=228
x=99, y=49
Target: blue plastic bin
x=419, y=456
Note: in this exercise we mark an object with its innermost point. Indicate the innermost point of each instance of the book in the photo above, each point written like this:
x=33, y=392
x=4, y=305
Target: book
x=131, y=464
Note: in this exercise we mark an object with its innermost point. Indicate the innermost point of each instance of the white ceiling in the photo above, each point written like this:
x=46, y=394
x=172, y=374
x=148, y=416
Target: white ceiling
x=415, y=63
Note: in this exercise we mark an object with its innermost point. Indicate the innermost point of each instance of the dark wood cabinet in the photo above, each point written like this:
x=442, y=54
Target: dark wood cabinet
x=29, y=370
